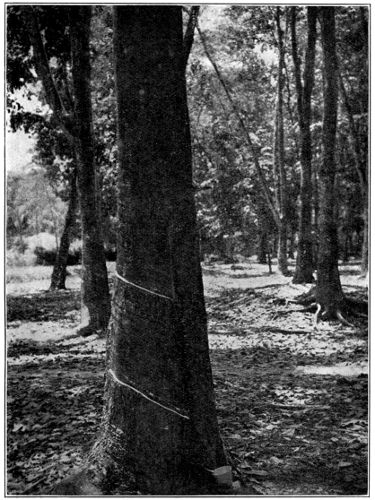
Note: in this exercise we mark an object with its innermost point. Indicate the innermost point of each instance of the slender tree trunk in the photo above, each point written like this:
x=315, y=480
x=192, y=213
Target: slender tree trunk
x=95, y=293
x=364, y=263
x=304, y=264
x=315, y=241
x=282, y=248
x=345, y=254
x=59, y=269
x=189, y=33
x=291, y=247
x=279, y=157
x=158, y=341
x=329, y=293
x=262, y=247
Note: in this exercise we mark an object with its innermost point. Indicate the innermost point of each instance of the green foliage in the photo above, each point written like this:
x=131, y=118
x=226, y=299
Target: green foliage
x=224, y=166
x=104, y=116
x=242, y=42
x=53, y=150
x=32, y=208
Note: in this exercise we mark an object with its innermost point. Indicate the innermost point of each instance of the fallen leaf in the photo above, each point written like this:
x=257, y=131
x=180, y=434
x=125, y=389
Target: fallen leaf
x=275, y=461
x=344, y=464
x=19, y=427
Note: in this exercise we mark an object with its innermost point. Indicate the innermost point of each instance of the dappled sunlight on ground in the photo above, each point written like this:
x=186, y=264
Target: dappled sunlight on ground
x=41, y=331
x=291, y=399
x=341, y=369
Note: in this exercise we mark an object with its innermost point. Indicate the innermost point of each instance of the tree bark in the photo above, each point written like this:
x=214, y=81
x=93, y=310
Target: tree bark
x=158, y=342
x=77, y=126
x=279, y=156
x=95, y=290
x=262, y=247
x=328, y=291
x=59, y=269
x=361, y=168
x=189, y=33
x=364, y=256
x=304, y=265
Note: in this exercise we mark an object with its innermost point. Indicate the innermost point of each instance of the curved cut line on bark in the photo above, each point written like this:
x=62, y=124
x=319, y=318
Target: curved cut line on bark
x=175, y=410
x=146, y=290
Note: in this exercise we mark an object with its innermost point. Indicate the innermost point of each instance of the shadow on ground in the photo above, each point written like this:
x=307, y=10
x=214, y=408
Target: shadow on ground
x=291, y=401
x=42, y=306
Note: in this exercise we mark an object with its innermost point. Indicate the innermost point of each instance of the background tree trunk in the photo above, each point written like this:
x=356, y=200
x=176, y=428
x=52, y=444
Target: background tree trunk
x=262, y=247
x=59, y=268
x=328, y=291
x=189, y=33
x=364, y=257
x=279, y=155
x=95, y=293
x=77, y=126
x=158, y=341
x=360, y=161
x=304, y=265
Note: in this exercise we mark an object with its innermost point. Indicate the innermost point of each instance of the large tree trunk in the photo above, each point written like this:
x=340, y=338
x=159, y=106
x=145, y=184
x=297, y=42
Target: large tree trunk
x=329, y=293
x=59, y=269
x=279, y=156
x=304, y=265
x=95, y=292
x=162, y=425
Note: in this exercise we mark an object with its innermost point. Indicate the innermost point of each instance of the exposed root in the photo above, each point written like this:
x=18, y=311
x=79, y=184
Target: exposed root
x=316, y=316
x=306, y=298
x=342, y=320
x=354, y=307
x=310, y=308
x=88, y=330
x=324, y=315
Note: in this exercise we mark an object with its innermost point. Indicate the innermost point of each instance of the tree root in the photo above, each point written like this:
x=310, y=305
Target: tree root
x=316, y=316
x=355, y=308
x=342, y=320
x=90, y=329
x=324, y=315
x=310, y=308
x=306, y=299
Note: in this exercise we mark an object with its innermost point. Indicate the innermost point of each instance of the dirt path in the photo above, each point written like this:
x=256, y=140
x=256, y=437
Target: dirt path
x=292, y=402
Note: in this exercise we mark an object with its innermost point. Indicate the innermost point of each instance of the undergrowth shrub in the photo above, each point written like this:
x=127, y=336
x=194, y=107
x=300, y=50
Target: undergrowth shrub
x=15, y=258
x=40, y=249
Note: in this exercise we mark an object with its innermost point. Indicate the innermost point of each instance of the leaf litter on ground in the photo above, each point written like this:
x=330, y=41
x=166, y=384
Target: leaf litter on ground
x=291, y=401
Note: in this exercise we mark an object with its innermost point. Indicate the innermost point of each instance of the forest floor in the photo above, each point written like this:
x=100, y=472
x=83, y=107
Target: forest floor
x=291, y=400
